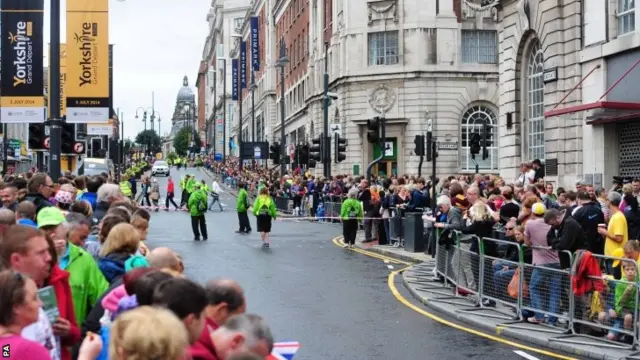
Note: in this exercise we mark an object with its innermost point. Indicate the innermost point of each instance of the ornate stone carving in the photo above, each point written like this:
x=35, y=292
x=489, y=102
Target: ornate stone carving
x=485, y=8
x=382, y=98
x=382, y=9
x=524, y=14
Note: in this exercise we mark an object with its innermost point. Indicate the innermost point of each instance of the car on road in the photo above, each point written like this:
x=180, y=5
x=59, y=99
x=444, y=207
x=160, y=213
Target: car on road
x=160, y=167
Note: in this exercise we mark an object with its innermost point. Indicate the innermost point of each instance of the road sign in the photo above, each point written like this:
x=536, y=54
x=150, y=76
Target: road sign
x=448, y=146
x=79, y=147
x=336, y=128
x=46, y=142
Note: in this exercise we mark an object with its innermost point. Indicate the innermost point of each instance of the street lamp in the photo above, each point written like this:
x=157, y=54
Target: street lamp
x=253, y=105
x=144, y=120
x=282, y=63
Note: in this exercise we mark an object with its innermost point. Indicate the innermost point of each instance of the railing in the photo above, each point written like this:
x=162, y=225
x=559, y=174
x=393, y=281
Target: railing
x=474, y=274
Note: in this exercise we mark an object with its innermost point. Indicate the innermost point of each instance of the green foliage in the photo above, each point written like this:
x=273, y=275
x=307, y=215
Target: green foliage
x=181, y=142
x=171, y=157
x=151, y=139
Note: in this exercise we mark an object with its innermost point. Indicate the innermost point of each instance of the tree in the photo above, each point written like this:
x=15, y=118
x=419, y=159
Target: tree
x=149, y=139
x=181, y=142
x=171, y=156
x=128, y=145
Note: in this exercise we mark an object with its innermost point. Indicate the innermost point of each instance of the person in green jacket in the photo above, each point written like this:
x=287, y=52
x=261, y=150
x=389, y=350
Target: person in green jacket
x=197, y=208
x=242, y=206
x=264, y=208
x=351, y=214
x=184, y=198
x=125, y=187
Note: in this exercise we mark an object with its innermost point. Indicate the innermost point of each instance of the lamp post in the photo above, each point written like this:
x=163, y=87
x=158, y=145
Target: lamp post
x=144, y=120
x=224, y=108
x=54, y=92
x=282, y=63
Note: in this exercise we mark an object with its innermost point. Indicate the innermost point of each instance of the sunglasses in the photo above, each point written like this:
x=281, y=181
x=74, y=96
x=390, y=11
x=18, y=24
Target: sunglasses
x=509, y=228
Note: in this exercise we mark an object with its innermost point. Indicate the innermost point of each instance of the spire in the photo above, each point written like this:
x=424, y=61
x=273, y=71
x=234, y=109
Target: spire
x=185, y=81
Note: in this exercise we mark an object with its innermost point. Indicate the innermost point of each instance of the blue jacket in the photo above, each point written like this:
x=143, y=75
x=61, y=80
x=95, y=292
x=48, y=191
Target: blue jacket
x=27, y=222
x=92, y=198
x=112, y=266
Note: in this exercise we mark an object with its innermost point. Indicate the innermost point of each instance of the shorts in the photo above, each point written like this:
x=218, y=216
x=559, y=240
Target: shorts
x=263, y=223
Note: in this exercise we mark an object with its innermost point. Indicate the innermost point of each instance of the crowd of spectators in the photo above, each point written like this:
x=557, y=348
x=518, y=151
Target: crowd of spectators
x=78, y=282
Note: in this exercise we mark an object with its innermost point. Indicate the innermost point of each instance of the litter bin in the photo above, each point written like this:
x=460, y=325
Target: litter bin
x=414, y=233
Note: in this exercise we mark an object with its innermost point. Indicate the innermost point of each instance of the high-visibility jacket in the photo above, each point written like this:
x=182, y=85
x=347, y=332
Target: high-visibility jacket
x=125, y=188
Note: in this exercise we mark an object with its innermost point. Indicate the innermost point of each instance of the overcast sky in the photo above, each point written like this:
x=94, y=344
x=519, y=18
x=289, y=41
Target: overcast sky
x=156, y=43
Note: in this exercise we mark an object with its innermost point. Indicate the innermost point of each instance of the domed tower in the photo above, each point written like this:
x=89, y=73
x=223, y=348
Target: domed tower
x=185, y=111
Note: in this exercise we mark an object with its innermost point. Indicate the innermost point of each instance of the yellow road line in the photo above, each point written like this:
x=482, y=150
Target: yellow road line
x=407, y=303
x=340, y=243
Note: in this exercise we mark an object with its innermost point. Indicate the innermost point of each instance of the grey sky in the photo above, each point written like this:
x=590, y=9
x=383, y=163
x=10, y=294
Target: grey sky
x=156, y=43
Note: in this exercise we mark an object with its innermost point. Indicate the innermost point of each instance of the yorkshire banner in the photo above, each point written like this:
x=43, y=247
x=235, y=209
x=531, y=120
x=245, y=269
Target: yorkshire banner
x=63, y=80
x=22, y=83
x=87, y=61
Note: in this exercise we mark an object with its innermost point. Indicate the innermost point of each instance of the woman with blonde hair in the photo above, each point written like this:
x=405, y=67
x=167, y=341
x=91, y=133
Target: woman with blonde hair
x=148, y=333
x=118, y=250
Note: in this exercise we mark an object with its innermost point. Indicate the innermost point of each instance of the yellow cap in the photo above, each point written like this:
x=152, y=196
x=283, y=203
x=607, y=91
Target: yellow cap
x=538, y=209
x=618, y=253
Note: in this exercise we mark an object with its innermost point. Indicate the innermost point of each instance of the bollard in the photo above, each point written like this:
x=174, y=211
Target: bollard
x=413, y=231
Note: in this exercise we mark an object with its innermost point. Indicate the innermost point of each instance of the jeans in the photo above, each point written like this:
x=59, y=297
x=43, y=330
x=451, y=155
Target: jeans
x=544, y=291
x=502, y=277
x=386, y=230
x=215, y=198
x=170, y=200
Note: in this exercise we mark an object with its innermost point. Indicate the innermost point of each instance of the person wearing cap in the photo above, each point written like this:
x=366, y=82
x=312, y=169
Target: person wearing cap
x=197, y=206
x=544, y=286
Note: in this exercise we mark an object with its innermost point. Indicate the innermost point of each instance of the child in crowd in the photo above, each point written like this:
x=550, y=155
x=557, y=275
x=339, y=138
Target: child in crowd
x=625, y=298
x=632, y=250
x=142, y=225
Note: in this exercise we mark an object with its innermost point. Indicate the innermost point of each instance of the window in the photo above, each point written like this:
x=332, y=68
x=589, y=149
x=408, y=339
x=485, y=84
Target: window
x=535, y=104
x=626, y=16
x=383, y=48
x=479, y=46
x=473, y=121
x=237, y=23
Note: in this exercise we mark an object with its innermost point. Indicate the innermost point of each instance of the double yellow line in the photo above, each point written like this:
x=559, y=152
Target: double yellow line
x=394, y=290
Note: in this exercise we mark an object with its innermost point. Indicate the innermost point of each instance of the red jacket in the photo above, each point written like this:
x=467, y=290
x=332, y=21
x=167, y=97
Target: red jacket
x=204, y=349
x=170, y=186
x=584, y=278
x=59, y=280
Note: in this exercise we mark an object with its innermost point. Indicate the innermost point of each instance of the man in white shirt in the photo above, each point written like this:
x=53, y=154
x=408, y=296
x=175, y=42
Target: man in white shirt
x=215, y=195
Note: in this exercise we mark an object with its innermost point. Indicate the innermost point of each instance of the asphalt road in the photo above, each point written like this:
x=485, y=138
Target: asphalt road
x=335, y=302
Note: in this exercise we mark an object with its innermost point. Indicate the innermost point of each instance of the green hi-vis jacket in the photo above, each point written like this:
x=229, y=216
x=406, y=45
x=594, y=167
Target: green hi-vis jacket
x=125, y=188
x=242, y=204
x=196, y=198
x=205, y=188
x=264, y=205
x=189, y=185
x=351, y=209
x=183, y=183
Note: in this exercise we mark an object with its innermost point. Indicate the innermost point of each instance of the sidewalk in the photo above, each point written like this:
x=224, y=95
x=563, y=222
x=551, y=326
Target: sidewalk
x=499, y=320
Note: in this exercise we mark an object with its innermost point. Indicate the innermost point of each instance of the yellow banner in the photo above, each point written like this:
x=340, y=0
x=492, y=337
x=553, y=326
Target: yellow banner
x=87, y=59
x=63, y=80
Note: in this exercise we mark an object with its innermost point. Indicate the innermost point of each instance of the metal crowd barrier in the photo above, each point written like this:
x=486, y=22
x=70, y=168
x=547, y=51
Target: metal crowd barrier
x=545, y=290
x=284, y=204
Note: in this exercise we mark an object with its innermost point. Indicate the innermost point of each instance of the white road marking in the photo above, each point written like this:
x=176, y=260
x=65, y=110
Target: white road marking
x=525, y=355
x=390, y=267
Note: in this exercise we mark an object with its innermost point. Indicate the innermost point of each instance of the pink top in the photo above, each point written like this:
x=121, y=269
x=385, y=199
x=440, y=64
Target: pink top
x=17, y=347
x=537, y=230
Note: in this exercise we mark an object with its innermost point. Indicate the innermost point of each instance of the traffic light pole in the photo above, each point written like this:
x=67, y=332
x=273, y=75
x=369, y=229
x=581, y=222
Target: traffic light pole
x=282, y=133
x=5, y=149
x=434, y=152
x=326, y=157
x=54, y=92
x=382, y=149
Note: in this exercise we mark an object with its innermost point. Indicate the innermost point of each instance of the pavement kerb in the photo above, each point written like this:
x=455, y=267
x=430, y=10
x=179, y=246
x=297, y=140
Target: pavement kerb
x=502, y=331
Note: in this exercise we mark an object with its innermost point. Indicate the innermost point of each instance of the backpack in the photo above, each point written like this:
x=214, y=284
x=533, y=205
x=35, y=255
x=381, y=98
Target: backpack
x=352, y=213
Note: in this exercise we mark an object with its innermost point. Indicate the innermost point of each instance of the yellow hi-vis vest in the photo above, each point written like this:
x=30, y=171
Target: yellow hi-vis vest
x=125, y=188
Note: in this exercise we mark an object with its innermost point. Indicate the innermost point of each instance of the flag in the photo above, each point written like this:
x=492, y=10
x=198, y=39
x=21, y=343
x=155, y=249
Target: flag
x=285, y=350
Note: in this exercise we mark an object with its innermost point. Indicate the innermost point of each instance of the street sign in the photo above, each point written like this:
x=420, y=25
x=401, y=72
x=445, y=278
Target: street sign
x=46, y=142
x=448, y=146
x=79, y=147
x=336, y=128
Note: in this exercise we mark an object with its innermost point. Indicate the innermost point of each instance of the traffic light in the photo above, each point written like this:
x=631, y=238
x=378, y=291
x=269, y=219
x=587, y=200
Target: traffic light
x=474, y=144
x=373, y=130
x=486, y=140
x=341, y=148
x=315, y=150
x=36, y=136
x=303, y=154
x=419, y=142
x=274, y=152
x=430, y=147
x=67, y=138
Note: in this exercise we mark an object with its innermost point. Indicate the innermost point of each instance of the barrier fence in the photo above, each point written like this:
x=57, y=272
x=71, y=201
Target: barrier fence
x=493, y=275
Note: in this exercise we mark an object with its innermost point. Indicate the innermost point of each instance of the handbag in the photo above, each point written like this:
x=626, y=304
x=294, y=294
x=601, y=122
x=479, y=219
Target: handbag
x=154, y=196
x=514, y=286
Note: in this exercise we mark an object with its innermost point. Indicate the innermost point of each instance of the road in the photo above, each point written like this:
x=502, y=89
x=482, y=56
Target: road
x=335, y=302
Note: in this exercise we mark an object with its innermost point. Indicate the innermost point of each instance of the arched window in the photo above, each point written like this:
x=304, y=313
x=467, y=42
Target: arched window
x=473, y=121
x=535, y=104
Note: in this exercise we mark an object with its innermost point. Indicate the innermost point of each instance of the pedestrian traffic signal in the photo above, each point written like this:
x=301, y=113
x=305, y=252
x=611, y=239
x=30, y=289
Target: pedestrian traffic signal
x=419, y=142
x=315, y=150
x=67, y=137
x=341, y=148
x=474, y=144
x=37, y=136
x=430, y=148
x=274, y=152
x=373, y=130
x=303, y=154
x=486, y=139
